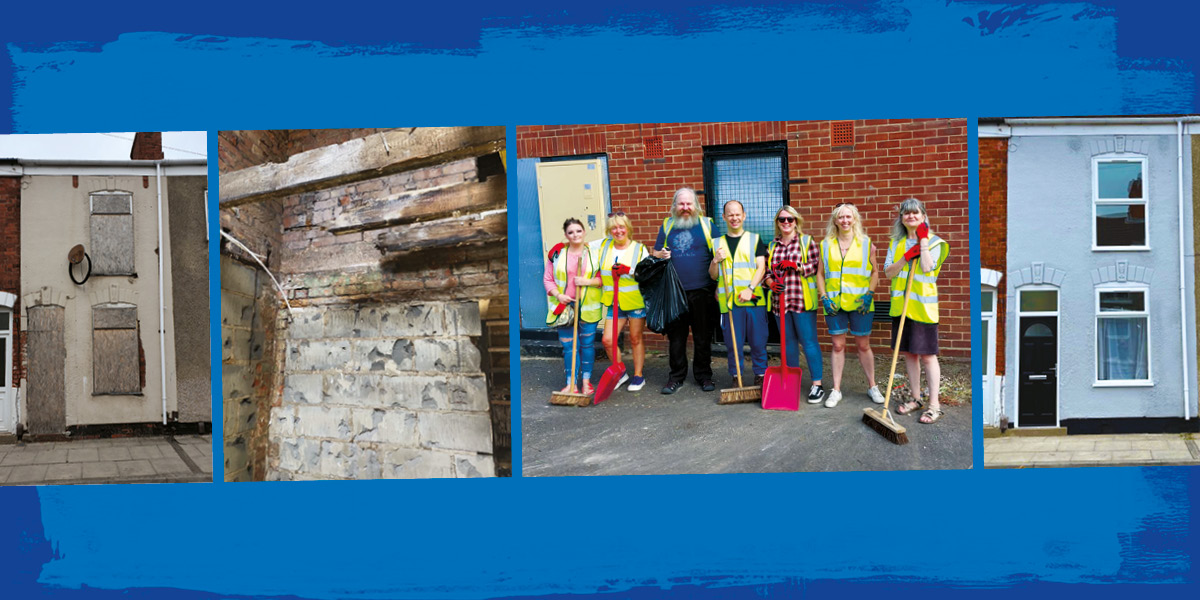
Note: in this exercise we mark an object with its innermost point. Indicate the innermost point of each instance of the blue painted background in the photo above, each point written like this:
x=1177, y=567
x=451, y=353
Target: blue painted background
x=225, y=65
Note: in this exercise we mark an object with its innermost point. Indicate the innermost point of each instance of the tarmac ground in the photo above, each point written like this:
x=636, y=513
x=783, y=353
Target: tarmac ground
x=646, y=432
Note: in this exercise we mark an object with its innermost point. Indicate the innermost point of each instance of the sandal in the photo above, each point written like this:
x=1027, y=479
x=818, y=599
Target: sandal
x=930, y=416
x=587, y=388
x=570, y=389
x=909, y=407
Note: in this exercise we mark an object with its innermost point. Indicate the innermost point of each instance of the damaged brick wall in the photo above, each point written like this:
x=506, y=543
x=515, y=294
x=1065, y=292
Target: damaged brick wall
x=389, y=391
x=10, y=264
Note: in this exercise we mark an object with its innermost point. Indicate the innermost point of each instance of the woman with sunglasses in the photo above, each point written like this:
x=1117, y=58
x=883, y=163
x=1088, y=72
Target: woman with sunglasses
x=793, y=260
x=914, y=247
x=568, y=276
x=618, y=256
x=846, y=288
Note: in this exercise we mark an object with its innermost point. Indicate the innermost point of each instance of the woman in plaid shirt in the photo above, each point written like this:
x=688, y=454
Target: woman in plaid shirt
x=793, y=259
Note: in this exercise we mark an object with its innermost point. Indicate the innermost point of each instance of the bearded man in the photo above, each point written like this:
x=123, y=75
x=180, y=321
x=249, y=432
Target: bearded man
x=686, y=239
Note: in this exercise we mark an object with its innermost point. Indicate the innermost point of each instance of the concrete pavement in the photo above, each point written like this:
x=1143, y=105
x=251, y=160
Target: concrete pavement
x=1118, y=450
x=647, y=433
x=162, y=459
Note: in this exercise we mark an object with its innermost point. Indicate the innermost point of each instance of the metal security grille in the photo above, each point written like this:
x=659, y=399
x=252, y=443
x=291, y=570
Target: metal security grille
x=841, y=133
x=751, y=174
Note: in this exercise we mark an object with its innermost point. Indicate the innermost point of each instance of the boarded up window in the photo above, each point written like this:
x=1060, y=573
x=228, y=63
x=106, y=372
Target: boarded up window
x=115, y=357
x=111, y=249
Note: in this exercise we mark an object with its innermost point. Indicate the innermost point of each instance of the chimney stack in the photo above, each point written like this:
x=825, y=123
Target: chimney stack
x=147, y=145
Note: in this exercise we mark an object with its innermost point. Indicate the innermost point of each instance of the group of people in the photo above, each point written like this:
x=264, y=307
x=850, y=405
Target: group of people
x=737, y=278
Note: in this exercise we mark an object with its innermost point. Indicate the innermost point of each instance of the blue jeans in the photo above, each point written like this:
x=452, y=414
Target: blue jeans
x=750, y=324
x=802, y=331
x=587, y=350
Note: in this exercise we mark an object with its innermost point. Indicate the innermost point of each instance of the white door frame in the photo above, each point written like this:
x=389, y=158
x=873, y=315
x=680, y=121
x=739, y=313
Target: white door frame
x=8, y=404
x=988, y=314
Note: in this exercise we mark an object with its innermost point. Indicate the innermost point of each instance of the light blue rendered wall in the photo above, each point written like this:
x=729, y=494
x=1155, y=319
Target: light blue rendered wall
x=1050, y=221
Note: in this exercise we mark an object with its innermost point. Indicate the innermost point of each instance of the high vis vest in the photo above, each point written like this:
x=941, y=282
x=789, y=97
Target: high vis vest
x=588, y=298
x=631, y=296
x=743, y=264
x=810, y=283
x=705, y=224
x=847, y=278
x=923, y=300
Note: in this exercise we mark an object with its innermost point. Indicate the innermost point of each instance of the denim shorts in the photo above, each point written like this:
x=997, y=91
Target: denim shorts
x=853, y=321
x=630, y=314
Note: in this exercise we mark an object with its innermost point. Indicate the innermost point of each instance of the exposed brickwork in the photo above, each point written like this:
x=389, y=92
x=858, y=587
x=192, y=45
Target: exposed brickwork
x=10, y=264
x=241, y=149
x=993, y=224
x=303, y=140
x=147, y=145
x=890, y=160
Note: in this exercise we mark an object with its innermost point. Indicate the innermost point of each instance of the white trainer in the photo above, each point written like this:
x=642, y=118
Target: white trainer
x=835, y=396
x=623, y=379
x=876, y=397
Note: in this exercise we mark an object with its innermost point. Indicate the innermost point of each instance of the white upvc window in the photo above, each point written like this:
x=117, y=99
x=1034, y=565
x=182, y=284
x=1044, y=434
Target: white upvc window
x=1123, y=336
x=1120, y=203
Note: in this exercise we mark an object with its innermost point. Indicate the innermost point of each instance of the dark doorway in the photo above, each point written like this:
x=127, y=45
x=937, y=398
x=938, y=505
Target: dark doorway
x=1037, y=388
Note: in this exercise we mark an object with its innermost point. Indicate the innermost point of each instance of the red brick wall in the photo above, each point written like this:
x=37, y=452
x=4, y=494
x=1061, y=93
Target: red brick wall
x=993, y=224
x=10, y=262
x=889, y=161
x=303, y=140
x=147, y=145
x=242, y=149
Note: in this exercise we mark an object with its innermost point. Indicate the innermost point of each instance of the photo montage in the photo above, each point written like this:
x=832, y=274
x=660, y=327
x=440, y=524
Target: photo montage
x=364, y=303
x=811, y=240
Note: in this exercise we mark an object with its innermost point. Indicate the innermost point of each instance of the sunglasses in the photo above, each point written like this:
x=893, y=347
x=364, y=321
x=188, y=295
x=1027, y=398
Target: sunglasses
x=786, y=219
x=841, y=204
x=616, y=213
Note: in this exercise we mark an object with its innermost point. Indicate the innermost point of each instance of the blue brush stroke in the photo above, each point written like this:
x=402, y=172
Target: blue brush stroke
x=815, y=535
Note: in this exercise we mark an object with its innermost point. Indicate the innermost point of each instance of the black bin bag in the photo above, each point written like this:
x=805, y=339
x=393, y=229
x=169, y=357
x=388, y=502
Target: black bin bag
x=665, y=299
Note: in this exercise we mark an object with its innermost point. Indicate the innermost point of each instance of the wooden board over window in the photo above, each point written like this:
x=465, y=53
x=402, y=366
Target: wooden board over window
x=115, y=356
x=111, y=248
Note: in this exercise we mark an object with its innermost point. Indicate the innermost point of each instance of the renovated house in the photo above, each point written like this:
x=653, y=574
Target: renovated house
x=1088, y=294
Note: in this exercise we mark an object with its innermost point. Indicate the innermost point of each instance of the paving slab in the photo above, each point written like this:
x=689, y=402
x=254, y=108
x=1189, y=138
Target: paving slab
x=1091, y=451
x=106, y=461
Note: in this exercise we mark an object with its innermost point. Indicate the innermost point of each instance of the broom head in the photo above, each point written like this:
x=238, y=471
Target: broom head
x=565, y=399
x=883, y=424
x=740, y=394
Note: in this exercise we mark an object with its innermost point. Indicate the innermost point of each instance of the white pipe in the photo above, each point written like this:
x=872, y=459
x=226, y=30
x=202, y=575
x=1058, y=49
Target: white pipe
x=1103, y=120
x=1182, y=281
x=162, y=304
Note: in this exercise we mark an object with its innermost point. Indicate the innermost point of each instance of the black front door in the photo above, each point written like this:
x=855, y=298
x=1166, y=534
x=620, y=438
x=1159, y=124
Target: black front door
x=1038, y=384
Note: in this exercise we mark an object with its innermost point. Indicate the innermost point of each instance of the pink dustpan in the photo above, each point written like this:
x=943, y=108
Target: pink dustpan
x=781, y=385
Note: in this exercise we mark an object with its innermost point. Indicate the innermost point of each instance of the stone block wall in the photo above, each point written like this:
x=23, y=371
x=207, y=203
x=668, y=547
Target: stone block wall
x=382, y=391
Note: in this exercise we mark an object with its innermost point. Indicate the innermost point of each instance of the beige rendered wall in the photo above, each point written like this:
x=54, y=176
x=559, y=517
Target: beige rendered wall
x=54, y=217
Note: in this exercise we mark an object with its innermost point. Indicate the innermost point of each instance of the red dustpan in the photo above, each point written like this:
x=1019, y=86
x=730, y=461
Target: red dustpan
x=613, y=374
x=781, y=385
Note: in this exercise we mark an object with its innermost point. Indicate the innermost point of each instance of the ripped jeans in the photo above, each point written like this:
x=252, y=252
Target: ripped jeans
x=587, y=350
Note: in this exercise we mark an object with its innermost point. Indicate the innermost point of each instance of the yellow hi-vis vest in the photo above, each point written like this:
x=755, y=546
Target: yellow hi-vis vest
x=810, y=283
x=743, y=264
x=923, y=300
x=588, y=298
x=631, y=296
x=852, y=279
x=705, y=224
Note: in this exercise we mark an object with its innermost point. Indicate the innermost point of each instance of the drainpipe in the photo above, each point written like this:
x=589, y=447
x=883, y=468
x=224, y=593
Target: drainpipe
x=162, y=305
x=1187, y=412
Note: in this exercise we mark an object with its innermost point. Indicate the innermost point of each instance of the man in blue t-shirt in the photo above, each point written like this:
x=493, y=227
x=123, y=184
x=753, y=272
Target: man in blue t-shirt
x=686, y=239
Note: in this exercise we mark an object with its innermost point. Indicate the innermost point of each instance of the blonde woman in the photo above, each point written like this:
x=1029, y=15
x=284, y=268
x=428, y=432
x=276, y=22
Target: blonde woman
x=913, y=244
x=618, y=256
x=846, y=285
x=793, y=261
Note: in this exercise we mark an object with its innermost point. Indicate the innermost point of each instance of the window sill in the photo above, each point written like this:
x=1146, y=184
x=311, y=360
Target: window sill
x=96, y=394
x=1120, y=248
x=1124, y=383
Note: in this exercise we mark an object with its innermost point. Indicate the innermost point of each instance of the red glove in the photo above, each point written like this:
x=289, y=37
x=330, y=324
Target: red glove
x=787, y=264
x=776, y=286
x=553, y=254
x=922, y=231
x=620, y=269
x=913, y=252
x=558, y=310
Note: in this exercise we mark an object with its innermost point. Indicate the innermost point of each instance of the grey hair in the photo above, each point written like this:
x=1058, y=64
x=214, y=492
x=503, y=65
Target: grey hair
x=695, y=199
x=899, y=231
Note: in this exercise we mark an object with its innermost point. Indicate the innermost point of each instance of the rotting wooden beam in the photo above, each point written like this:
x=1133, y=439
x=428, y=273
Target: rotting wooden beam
x=359, y=159
x=425, y=205
x=469, y=230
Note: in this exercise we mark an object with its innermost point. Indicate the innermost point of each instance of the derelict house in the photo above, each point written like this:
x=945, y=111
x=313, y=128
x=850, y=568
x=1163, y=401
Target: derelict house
x=97, y=336
x=364, y=303
x=1088, y=284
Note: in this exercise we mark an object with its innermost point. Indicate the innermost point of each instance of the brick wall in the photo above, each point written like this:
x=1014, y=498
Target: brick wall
x=889, y=161
x=383, y=391
x=10, y=263
x=993, y=224
x=241, y=149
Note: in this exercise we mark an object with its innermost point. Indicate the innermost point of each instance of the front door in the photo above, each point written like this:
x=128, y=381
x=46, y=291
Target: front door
x=1037, y=388
x=7, y=404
